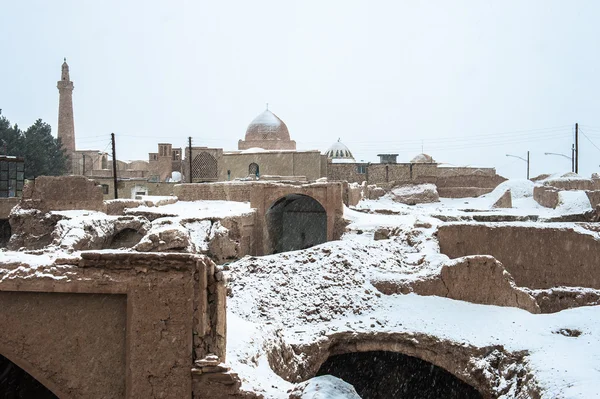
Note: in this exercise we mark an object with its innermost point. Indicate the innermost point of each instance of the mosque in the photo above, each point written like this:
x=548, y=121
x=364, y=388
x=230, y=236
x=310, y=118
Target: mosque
x=267, y=152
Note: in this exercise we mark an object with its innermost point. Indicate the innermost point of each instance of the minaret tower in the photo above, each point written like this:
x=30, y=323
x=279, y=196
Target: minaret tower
x=66, y=126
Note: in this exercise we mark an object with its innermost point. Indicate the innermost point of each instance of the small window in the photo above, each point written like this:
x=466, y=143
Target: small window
x=362, y=169
x=105, y=189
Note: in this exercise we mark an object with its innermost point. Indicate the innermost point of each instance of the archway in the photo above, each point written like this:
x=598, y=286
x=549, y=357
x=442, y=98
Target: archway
x=295, y=222
x=381, y=374
x=17, y=383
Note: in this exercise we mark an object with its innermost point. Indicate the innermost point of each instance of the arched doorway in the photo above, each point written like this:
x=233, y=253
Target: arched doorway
x=295, y=222
x=17, y=383
x=253, y=169
x=382, y=375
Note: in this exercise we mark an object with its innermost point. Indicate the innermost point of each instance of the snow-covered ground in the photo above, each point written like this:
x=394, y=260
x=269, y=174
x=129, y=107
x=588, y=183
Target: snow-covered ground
x=301, y=297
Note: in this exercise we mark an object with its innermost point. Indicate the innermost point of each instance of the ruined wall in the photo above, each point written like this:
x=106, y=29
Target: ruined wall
x=62, y=193
x=594, y=197
x=536, y=257
x=574, y=184
x=546, y=196
x=125, y=187
x=6, y=205
x=114, y=325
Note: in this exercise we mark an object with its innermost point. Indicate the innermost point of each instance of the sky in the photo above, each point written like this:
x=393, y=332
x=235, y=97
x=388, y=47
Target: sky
x=466, y=81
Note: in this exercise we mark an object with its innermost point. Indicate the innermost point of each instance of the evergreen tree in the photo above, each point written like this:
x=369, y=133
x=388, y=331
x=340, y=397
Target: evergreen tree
x=44, y=155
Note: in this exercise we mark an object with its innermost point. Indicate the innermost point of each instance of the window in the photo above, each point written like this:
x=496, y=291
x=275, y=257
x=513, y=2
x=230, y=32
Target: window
x=253, y=169
x=362, y=169
x=105, y=189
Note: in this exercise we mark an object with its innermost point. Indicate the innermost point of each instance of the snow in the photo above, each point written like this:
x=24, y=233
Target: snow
x=327, y=387
x=200, y=209
x=304, y=297
x=570, y=202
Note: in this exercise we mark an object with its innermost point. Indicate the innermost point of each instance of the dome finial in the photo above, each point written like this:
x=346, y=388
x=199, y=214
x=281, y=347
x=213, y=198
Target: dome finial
x=267, y=106
x=65, y=59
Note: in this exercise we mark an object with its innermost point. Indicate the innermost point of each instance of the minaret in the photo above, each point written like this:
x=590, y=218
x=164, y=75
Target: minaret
x=66, y=127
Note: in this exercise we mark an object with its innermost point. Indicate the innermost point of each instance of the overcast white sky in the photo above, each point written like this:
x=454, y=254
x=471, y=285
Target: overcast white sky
x=469, y=80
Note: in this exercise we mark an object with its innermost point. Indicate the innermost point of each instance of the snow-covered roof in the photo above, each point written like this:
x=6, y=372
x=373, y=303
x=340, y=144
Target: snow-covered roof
x=423, y=158
x=267, y=126
x=338, y=151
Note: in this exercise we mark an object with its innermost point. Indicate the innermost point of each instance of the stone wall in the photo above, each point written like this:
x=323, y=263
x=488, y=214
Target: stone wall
x=536, y=257
x=114, y=325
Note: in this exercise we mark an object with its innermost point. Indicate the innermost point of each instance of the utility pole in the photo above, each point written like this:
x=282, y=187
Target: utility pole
x=114, y=156
x=190, y=155
x=527, y=165
x=577, y=148
x=572, y=157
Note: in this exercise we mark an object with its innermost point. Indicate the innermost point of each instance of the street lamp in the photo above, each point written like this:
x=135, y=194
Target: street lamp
x=522, y=159
x=570, y=158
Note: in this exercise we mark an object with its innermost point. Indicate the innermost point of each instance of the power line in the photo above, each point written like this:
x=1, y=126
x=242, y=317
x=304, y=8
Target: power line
x=585, y=135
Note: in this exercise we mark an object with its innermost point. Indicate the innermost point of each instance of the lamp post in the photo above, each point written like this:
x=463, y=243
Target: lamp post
x=570, y=158
x=522, y=159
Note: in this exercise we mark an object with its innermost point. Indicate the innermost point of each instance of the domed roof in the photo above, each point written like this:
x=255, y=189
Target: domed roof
x=423, y=158
x=267, y=126
x=339, y=151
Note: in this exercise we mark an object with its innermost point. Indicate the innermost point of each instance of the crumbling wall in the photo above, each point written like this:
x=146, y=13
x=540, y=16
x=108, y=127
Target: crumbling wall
x=239, y=192
x=536, y=257
x=475, y=279
x=546, y=196
x=115, y=325
x=61, y=193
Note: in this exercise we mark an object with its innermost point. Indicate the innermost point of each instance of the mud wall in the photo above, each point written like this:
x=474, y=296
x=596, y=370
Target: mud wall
x=541, y=257
x=113, y=325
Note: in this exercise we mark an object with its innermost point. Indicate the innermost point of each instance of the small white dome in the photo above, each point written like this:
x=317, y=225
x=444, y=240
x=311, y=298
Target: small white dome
x=338, y=151
x=423, y=158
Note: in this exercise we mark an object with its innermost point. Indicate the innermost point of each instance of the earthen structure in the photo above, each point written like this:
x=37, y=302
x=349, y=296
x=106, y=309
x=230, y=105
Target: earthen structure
x=119, y=326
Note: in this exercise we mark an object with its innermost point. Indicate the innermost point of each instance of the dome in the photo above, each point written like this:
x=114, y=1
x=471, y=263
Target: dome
x=267, y=126
x=423, y=158
x=339, y=151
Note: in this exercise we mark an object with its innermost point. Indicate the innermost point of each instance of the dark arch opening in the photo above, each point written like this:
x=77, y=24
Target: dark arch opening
x=383, y=375
x=126, y=238
x=16, y=383
x=295, y=222
x=5, y=232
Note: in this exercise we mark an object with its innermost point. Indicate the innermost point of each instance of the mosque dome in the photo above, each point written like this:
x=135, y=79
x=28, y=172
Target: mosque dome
x=338, y=152
x=423, y=158
x=267, y=126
